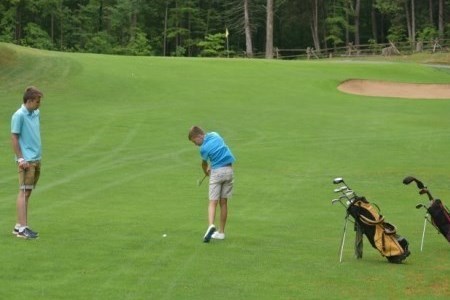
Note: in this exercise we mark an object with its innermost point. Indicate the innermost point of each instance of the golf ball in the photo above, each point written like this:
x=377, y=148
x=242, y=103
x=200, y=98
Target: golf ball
x=164, y=235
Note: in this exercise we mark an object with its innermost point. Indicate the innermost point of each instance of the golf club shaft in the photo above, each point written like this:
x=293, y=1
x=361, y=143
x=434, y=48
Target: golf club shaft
x=201, y=181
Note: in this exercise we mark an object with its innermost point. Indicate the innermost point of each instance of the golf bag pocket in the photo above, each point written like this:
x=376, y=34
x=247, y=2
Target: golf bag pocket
x=381, y=235
x=440, y=218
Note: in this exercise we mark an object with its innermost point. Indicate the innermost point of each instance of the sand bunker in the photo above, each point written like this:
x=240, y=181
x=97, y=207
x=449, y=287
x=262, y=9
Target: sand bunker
x=395, y=89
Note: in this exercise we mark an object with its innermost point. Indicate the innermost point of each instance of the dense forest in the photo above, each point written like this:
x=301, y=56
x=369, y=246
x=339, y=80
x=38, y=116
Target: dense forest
x=251, y=28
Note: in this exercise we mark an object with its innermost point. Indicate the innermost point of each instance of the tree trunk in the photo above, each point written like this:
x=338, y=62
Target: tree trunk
x=269, y=30
x=248, y=31
x=374, y=22
x=18, y=29
x=441, y=18
x=347, y=28
x=52, y=26
x=133, y=23
x=431, y=12
x=357, y=16
x=413, y=24
x=165, y=29
x=61, y=21
x=408, y=21
x=315, y=24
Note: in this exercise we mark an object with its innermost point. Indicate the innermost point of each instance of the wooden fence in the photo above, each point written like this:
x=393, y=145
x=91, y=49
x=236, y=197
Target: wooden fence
x=386, y=49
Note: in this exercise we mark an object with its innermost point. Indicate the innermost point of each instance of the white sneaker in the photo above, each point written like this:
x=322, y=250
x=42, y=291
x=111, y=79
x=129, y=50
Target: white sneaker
x=218, y=236
x=209, y=232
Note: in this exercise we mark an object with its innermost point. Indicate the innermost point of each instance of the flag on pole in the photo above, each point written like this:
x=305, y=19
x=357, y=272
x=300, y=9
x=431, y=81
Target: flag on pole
x=226, y=32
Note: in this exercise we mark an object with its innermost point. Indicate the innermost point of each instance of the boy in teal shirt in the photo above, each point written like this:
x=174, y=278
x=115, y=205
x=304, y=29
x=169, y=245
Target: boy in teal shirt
x=217, y=161
x=26, y=144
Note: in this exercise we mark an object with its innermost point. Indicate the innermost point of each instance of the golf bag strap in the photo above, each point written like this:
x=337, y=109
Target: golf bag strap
x=389, y=229
x=370, y=222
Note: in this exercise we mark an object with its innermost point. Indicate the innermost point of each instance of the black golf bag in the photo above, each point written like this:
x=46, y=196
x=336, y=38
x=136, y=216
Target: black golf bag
x=440, y=216
x=381, y=234
x=369, y=222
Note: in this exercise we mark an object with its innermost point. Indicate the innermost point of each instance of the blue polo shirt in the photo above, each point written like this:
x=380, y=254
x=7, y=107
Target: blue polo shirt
x=216, y=151
x=26, y=124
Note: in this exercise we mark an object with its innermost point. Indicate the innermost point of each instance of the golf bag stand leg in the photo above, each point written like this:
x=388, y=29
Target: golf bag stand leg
x=358, y=241
x=423, y=232
x=343, y=237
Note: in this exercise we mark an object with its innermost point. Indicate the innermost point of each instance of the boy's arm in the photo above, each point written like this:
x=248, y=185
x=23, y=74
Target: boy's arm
x=16, y=148
x=15, y=145
x=205, y=167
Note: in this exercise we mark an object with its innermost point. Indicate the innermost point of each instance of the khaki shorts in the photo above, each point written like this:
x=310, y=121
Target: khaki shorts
x=221, y=183
x=28, y=178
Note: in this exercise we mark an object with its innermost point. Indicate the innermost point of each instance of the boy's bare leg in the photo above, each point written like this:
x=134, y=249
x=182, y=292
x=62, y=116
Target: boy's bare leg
x=223, y=214
x=212, y=211
x=22, y=206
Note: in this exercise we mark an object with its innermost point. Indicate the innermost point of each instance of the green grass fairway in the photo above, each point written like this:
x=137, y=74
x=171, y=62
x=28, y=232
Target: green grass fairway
x=119, y=172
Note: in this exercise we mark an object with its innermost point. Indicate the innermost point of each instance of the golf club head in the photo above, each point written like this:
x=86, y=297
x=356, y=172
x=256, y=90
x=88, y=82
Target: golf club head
x=338, y=180
x=349, y=194
x=334, y=201
x=420, y=205
x=409, y=179
x=340, y=189
x=423, y=191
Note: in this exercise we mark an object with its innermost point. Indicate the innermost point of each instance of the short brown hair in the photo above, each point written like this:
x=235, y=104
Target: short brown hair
x=31, y=93
x=195, y=131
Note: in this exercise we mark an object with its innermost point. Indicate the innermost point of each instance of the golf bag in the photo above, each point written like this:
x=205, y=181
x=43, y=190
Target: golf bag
x=440, y=216
x=369, y=222
x=381, y=234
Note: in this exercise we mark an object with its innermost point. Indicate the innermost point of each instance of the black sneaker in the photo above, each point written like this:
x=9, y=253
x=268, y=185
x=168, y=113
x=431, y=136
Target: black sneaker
x=27, y=234
x=209, y=233
x=33, y=232
x=15, y=231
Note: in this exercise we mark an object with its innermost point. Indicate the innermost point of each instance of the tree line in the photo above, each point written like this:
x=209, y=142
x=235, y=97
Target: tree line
x=250, y=28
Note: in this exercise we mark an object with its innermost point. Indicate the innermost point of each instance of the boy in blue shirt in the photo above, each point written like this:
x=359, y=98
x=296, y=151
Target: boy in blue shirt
x=220, y=171
x=26, y=144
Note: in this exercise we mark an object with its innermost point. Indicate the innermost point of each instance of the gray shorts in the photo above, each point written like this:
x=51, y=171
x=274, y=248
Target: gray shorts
x=221, y=183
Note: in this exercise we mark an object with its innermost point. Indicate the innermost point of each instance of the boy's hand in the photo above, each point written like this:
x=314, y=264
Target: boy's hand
x=23, y=164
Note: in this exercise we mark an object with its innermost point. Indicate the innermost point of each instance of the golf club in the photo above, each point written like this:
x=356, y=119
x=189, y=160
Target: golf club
x=407, y=180
x=338, y=180
x=420, y=205
x=199, y=181
x=426, y=191
x=340, y=189
x=349, y=193
x=334, y=201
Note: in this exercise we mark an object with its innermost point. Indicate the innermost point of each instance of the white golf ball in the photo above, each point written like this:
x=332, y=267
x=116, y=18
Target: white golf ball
x=164, y=235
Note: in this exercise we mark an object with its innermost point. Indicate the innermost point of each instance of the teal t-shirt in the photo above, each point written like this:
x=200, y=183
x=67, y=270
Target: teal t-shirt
x=26, y=124
x=216, y=151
